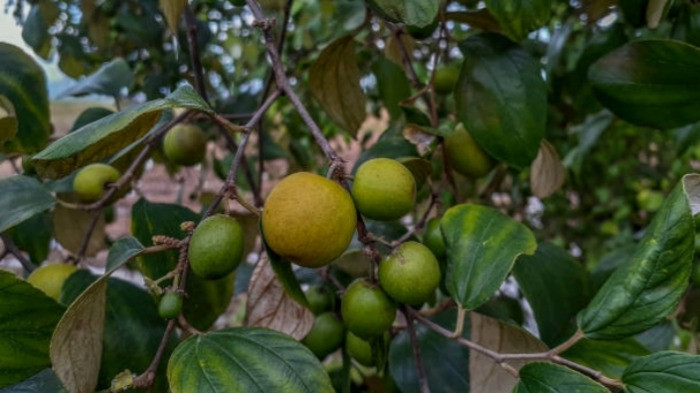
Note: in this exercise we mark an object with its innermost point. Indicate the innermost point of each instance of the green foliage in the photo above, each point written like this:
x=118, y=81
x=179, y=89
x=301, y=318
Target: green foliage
x=21, y=198
x=663, y=372
x=540, y=377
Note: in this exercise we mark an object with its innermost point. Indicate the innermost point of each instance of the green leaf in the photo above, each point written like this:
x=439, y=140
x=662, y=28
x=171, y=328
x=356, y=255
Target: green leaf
x=207, y=299
x=501, y=98
x=609, y=357
x=393, y=147
x=8, y=120
x=482, y=245
x=173, y=9
x=44, y=382
x=23, y=83
x=285, y=274
x=334, y=80
x=650, y=83
x=35, y=30
x=101, y=139
x=245, y=360
x=392, y=83
x=122, y=251
x=76, y=344
x=647, y=287
x=446, y=362
x=88, y=116
x=21, y=198
x=519, y=17
x=419, y=13
x=108, y=80
x=556, y=286
x=27, y=318
x=553, y=378
x=34, y=236
x=486, y=375
x=133, y=328
x=663, y=372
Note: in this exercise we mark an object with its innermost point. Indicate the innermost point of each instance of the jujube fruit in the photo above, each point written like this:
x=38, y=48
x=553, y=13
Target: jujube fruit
x=216, y=247
x=51, y=277
x=410, y=274
x=89, y=183
x=308, y=219
x=359, y=349
x=384, y=189
x=445, y=79
x=320, y=299
x=465, y=156
x=170, y=305
x=185, y=144
x=432, y=238
x=325, y=336
x=367, y=310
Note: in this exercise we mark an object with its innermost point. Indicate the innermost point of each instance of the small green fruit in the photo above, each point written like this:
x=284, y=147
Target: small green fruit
x=445, y=79
x=216, y=247
x=367, y=310
x=384, y=189
x=465, y=156
x=170, y=305
x=185, y=144
x=325, y=336
x=359, y=349
x=410, y=274
x=432, y=238
x=89, y=184
x=309, y=219
x=50, y=278
x=320, y=299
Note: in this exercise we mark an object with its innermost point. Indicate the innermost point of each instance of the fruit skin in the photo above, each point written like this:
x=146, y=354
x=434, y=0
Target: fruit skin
x=89, y=183
x=308, y=219
x=384, y=189
x=445, y=79
x=359, y=349
x=325, y=336
x=465, y=156
x=320, y=299
x=185, y=144
x=432, y=238
x=410, y=274
x=50, y=278
x=367, y=310
x=170, y=305
x=216, y=247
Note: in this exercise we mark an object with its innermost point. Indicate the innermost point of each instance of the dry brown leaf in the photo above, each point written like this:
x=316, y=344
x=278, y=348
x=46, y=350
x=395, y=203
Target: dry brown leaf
x=486, y=376
x=547, y=172
x=173, y=9
x=271, y=307
x=70, y=227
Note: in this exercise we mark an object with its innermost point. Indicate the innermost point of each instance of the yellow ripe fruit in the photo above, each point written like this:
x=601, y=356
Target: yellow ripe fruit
x=465, y=156
x=309, y=219
x=89, y=183
x=50, y=278
x=185, y=144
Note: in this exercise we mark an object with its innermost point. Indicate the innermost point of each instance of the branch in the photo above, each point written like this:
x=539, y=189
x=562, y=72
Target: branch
x=88, y=234
x=553, y=355
x=11, y=247
x=420, y=224
x=420, y=368
x=147, y=377
x=191, y=24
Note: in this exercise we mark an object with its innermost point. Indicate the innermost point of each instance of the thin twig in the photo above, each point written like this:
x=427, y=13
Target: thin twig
x=420, y=224
x=191, y=23
x=420, y=367
x=11, y=247
x=255, y=188
x=147, y=377
x=96, y=214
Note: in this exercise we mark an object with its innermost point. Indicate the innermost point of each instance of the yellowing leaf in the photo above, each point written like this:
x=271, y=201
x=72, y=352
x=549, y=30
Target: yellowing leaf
x=334, y=80
x=172, y=9
x=547, y=173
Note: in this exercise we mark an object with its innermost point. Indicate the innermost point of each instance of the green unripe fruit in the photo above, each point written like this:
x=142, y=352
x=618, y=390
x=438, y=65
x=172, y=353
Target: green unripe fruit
x=410, y=274
x=367, y=310
x=89, y=184
x=325, y=336
x=384, y=189
x=216, y=247
x=170, y=305
x=359, y=349
x=465, y=156
x=320, y=299
x=309, y=219
x=185, y=144
x=432, y=238
x=445, y=79
x=50, y=278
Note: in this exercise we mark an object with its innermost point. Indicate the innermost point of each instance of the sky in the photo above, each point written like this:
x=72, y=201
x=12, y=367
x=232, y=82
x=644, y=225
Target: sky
x=11, y=32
